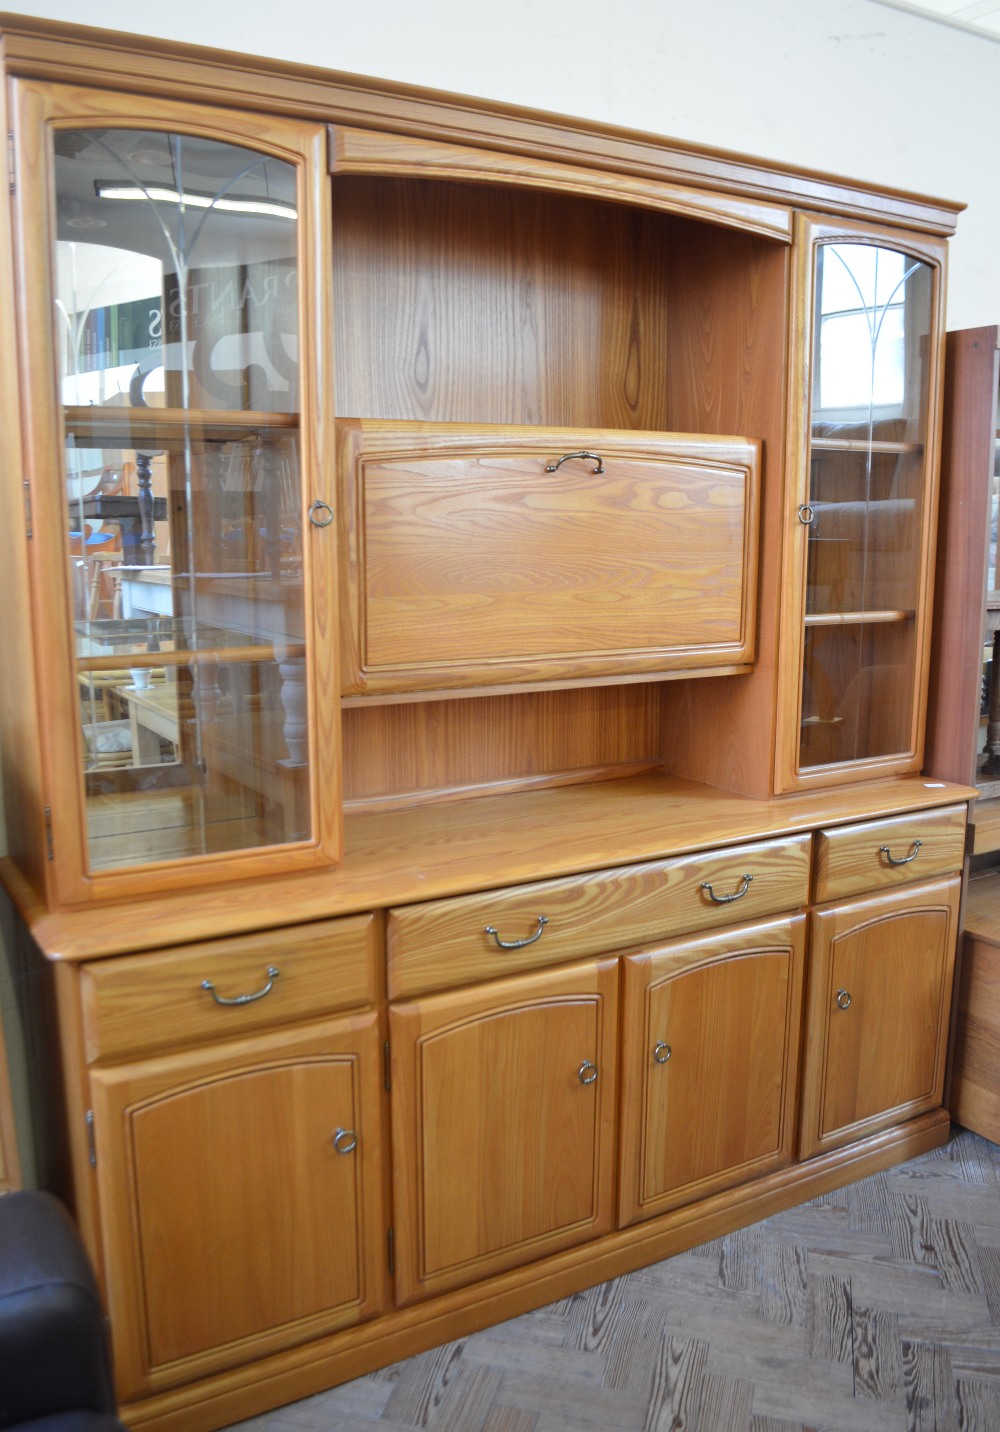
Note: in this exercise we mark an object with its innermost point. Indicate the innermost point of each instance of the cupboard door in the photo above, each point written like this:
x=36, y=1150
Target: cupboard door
x=190, y=699
x=710, y=1070
x=860, y=534
x=240, y=1199
x=637, y=556
x=503, y=1124
x=878, y=1012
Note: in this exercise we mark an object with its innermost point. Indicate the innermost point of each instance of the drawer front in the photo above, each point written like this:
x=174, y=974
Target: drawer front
x=446, y=943
x=142, y=1003
x=851, y=859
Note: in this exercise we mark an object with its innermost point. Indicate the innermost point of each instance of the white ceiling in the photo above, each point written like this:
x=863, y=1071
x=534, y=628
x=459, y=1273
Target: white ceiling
x=982, y=17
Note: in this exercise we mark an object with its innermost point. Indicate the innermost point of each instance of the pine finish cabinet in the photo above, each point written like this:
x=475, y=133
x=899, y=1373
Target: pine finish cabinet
x=468, y=595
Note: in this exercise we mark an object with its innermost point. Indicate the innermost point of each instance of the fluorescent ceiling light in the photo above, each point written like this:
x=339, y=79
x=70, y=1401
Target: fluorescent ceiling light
x=194, y=201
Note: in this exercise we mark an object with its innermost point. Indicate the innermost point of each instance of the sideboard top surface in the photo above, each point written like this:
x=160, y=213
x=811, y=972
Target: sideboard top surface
x=396, y=857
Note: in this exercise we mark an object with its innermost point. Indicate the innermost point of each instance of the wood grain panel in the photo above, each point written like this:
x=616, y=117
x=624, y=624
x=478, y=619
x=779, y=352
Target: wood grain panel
x=158, y=1001
x=467, y=561
x=461, y=304
x=727, y=354
x=502, y=1151
x=850, y=860
x=398, y=754
x=447, y=942
x=710, y=1044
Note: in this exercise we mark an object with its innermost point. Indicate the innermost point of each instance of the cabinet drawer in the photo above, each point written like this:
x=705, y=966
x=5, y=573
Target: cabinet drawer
x=851, y=859
x=445, y=943
x=141, y=1003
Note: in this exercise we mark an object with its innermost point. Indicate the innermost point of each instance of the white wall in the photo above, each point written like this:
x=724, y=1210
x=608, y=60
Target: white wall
x=851, y=87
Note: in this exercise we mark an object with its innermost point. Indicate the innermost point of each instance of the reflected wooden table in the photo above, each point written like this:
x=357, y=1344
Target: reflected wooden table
x=152, y=715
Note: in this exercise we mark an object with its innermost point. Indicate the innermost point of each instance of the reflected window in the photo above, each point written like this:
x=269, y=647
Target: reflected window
x=862, y=367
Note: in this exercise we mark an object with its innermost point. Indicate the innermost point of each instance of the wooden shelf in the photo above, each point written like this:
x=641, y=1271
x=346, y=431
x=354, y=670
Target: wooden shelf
x=832, y=619
x=123, y=427
x=860, y=445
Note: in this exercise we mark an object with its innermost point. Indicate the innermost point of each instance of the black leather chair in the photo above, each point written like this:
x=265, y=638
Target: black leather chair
x=55, y=1365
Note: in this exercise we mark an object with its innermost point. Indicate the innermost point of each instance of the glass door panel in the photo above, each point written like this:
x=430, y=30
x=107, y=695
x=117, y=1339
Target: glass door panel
x=177, y=338
x=866, y=510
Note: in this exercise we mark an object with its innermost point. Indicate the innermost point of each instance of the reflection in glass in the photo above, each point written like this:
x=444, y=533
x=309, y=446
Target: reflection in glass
x=177, y=324
x=866, y=501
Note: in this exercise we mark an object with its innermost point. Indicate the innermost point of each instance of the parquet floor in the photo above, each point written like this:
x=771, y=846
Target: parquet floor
x=872, y=1309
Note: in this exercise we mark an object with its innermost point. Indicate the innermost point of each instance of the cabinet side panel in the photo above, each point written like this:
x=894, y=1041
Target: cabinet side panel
x=22, y=773
x=728, y=305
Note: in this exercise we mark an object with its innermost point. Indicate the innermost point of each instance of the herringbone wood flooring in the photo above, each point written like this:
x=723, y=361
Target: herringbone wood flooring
x=872, y=1309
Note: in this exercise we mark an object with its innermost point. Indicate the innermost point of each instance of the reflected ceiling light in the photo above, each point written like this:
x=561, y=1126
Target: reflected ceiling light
x=265, y=207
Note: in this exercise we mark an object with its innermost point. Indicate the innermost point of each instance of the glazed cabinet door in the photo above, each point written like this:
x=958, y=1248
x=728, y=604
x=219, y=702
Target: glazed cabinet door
x=240, y=1199
x=503, y=1103
x=710, y=1039
x=878, y=1012
x=860, y=531
x=174, y=392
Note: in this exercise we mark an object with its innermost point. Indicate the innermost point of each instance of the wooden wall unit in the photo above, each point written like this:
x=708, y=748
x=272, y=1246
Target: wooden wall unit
x=484, y=832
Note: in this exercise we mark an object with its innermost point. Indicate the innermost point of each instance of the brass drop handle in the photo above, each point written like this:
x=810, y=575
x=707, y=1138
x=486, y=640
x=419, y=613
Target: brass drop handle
x=272, y=974
x=587, y=1072
x=903, y=859
x=661, y=1052
x=843, y=999
x=567, y=457
x=543, y=920
x=728, y=899
x=345, y=1141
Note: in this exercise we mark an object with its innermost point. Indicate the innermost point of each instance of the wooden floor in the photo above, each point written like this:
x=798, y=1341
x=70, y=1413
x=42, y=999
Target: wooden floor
x=876, y=1307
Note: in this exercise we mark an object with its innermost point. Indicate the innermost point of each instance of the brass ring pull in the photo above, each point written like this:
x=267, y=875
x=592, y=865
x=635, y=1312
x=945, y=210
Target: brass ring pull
x=345, y=1141
x=543, y=920
x=316, y=512
x=843, y=999
x=594, y=457
x=661, y=1052
x=728, y=899
x=807, y=514
x=272, y=974
x=587, y=1072
x=905, y=859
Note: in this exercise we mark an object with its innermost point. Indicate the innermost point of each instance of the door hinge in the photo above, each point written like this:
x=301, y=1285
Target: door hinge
x=49, y=847
x=391, y=1247
x=10, y=161
x=388, y=1065
x=91, y=1146
x=27, y=508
